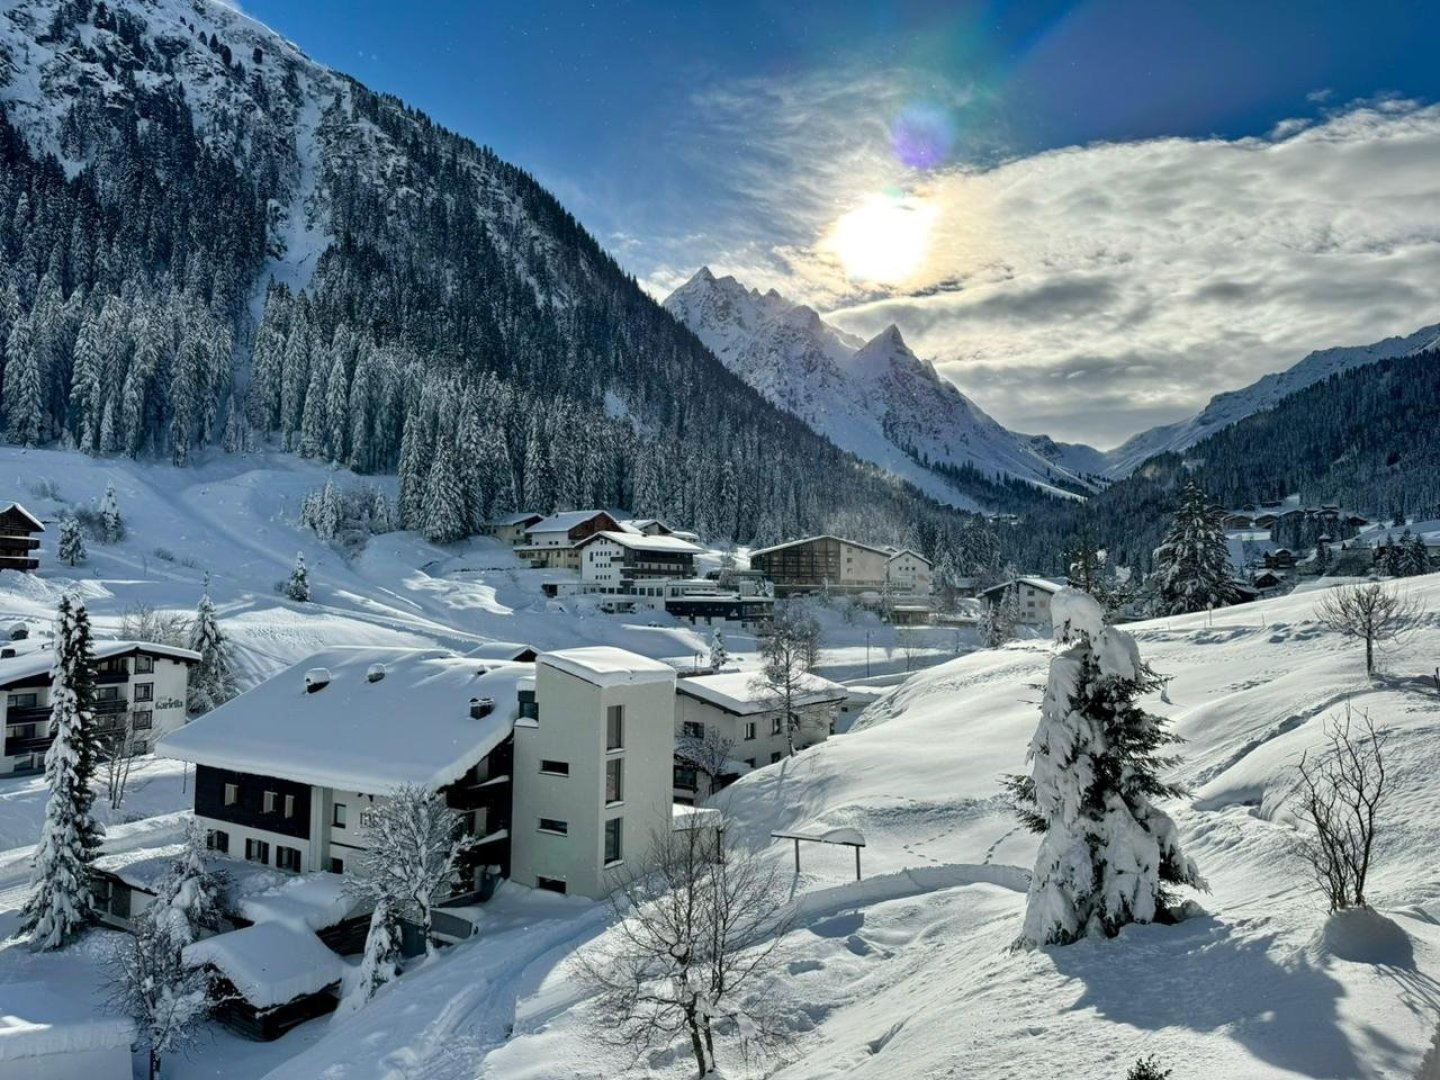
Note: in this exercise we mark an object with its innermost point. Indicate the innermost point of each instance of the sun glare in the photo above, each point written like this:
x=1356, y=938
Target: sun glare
x=884, y=240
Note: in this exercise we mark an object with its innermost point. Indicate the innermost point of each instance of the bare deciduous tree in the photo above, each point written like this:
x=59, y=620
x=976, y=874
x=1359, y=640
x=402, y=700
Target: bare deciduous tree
x=120, y=754
x=712, y=754
x=1341, y=792
x=150, y=981
x=693, y=938
x=1371, y=612
x=142, y=622
x=789, y=651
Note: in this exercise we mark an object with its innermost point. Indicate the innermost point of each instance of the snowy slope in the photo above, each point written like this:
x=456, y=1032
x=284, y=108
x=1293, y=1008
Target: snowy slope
x=876, y=399
x=1225, y=409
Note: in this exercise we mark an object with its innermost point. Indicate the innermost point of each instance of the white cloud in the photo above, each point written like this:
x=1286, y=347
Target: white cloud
x=1092, y=291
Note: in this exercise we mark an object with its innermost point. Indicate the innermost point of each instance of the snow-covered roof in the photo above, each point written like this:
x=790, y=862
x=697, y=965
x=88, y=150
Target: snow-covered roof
x=740, y=692
x=412, y=726
x=309, y=902
x=1429, y=531
x=39, y=526
x=566, y=521
x=643, y=523
x=1043, y=584
x=502, y=650
x=912, y=554
x=514, y=519
x=640, y=542
x=35, y=1021
x=685, y=818
x=269, y=963
x=144, y=868
x=812, y=539
x=38, y=661
x=605, y=665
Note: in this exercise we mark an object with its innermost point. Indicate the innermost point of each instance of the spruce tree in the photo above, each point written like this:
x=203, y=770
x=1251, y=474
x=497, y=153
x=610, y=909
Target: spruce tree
x=1109, y=856
x=719, y=654
x=297, y=586
x=444, y=512
x=72, y=542
x=212, y=683
x=62, y=903
x=112, y=525
x=1192, y=565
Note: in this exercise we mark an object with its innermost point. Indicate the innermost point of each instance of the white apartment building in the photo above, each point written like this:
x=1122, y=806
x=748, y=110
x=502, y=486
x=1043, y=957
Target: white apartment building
x=730, y=716
x=909, y=574
x=593, y=762
x=552, y=543
x=1032, y=599
x=621, y=560
x=137, y=682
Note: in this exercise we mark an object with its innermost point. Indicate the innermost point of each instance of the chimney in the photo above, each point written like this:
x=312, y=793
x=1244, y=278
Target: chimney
x=375, y=672
x=316, y=679
x=481, y=707
x=7, y=653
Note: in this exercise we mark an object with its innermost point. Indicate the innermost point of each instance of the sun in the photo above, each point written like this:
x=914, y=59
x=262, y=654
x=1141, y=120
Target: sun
x=885, y=239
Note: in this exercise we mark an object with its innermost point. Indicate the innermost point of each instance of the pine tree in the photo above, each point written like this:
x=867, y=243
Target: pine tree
x=112, y=525
x=85, y=385
x=297, y=586
x=1417, y=556
x=191, y=900
x=444, y=514
x=62, y=903
x=211, y=683
x=1109, y=856
x=24, y=385
x=719, y=654
x=381, y=961
x=381, y=519
x=72, y=542
x=1192, y=566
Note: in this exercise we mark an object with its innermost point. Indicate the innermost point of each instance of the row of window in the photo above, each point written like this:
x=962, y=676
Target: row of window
x=614, y=776
x=695, y=729
x=614, y=834
x=258, y=851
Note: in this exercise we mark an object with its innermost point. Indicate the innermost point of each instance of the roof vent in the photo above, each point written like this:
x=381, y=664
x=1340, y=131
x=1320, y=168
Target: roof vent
x=375, y=672
x=481, y=707
x=317, y=678
x=7, y=653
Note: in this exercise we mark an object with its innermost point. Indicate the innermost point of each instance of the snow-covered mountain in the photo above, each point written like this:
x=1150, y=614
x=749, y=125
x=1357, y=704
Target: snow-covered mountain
x=875, y=398
x=1227, y=408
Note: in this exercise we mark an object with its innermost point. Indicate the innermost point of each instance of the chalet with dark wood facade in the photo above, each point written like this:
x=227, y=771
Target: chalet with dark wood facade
x=19, y=543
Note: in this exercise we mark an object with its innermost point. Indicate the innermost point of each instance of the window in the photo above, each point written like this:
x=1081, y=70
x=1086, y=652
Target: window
x=774, y=757
x=687, y=777
x=613, y=851
x=337, y=815
x=23, y=701
x=144, y=665
x=692, y=729
x=144, y=720
x=144, y=691
x=614, y=788
x=776, y=726
x=217, y=840
x=289, y=806
x=287, y=858
x=555, y=825
x=367, y=819
x=615, y=727
x=750, y=729
x=555, y=768
x=550, y=884
x=257, y=851
x=232, y=794
x=107, y=693
x=267, y=804
x=337, y=866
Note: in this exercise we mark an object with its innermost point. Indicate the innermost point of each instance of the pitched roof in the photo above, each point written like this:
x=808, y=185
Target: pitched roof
x=740, y=693
x=641, y=542
x=39, y=526
x=39, y=661
x=503, y=650
x=269, y=963
x=605, y=665
x=1043, y=584
x=811, y=539
x=911, y=552
x=566, y=521
x=411, y=726
x=515, y=519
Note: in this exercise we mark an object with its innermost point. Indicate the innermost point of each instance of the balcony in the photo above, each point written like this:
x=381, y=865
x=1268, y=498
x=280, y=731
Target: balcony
x=15, y=562
x=32, y=745
x=40, y=714
x=113, y=707
x=9, y=543
x=109, y=677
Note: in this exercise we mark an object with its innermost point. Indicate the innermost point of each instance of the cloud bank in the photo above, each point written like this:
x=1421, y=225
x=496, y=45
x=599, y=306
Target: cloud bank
x=1094, y=291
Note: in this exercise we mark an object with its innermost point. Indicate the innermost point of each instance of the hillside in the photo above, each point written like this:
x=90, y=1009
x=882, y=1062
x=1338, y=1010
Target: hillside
x=209, y=238
x=1230, y=407
x=875, y=398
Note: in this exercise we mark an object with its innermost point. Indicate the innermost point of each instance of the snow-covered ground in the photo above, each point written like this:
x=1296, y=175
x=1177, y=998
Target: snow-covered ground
x=903, y=975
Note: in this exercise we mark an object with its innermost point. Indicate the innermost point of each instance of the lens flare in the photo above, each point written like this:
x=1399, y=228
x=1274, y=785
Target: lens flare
x=885, y=239
x=922, y=136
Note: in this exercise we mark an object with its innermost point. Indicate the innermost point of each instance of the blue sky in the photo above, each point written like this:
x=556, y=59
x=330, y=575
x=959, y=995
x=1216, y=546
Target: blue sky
x=742, y=134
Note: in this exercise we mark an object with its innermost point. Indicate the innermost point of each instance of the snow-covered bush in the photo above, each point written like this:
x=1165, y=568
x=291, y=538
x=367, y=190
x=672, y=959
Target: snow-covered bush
x=1148, y=1068
x=1109, y=855
x=347, y=516
x=212, y=682
x=297, y=585
x=72, y=542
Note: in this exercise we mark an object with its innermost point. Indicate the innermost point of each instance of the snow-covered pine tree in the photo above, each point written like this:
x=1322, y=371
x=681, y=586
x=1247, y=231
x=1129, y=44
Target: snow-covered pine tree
x=1109, y=856
x=72, y=542
x=1192, y=565
x=191, y=900
x=151, y=982
x=62, y=904
x=381, y=519
x=1395, y=554
x=212, y=682
x=85, y=384
x=444, y=510
x=24, y=385
x=112, y=525
x=719, y=654
x=297, y=586
x=1417, y=556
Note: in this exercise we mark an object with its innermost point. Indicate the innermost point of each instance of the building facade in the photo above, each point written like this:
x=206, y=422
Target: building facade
x=138, y=685
x=1032, y=599
x=620, y=560
x=510, y=529
x=19, y=540
x=593, y=764
x=551, y=543
x=909, y=574
x=822, y=563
